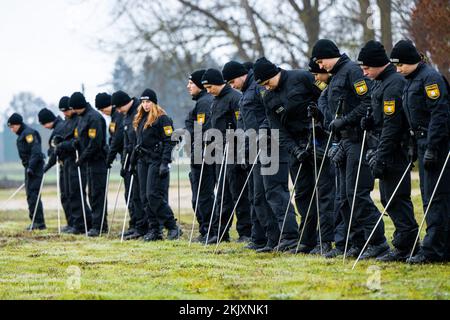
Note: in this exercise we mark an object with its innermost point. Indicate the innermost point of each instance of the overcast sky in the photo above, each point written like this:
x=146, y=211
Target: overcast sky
x=49, y=47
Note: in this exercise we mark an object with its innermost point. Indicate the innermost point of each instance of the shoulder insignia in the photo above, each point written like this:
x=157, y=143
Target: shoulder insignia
x=433, y=91
x=168, y=130
x=389, y=107
x=201, y=117
x=112, y=127
x=29, y=138
x=92, y=133
x=361, y=87
x=75, y=133
x=321, y=85
x=237, y=113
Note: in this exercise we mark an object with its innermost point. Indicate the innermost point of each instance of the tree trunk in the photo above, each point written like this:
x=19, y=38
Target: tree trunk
x=386, y=23
x=365, y=19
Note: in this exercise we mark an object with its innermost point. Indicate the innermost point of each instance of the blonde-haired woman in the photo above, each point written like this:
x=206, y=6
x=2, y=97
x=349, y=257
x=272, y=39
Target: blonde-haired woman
x=153, y=155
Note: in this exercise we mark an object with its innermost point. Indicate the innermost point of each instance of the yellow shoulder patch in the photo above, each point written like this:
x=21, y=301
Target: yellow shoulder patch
x=389, y=107
x=201, y=118
x=92, y=133
x=361, y=87
x=29, y=138
x=112, y=127
x=75, y=133
x=433, y=91
x=321, y=85
x=237, y=114
x=168, y=130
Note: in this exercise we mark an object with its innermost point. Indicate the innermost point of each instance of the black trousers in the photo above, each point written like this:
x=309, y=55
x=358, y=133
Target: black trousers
x=32, y=186
x=140, y=219
x=206, y=195
x=97, y=176
x=436, y=245
x=64, y=174
x=401, y=208
x=264, y=225
x=339, y=223
x=303, y=195
x=276, y=188
x=76, y=209
x=126, y=182
x=234, y=181
x=365, y=214
x=154, y=192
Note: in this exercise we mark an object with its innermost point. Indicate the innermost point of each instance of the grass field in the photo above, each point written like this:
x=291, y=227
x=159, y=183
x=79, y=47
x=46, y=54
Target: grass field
x=43, y=265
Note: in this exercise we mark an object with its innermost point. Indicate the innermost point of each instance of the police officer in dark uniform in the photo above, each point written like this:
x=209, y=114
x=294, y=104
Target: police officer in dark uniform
x=30, y=152
x=388, y=157
x=90, y=141
x=57, y=125
x=66, y=152
x=224, y=116
x=322, y=79
x=265, y=231
x=128, y=107
x=153, y=154
x=116, y=136
x=426, y=104
x=290, y=103
x=349, y=85
x=200, y=116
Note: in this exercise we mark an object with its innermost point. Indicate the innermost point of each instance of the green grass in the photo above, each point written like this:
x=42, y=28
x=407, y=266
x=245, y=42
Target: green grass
x=44, y=265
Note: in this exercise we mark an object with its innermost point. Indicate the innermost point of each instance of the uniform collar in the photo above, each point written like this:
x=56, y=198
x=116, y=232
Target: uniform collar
x=224, y=91
x=21, y=129
x=198, y=96
x=416, y=72
x=283, y=78
x=134, y=106
x=248, y=81
x=340, y=63
x=390, y=69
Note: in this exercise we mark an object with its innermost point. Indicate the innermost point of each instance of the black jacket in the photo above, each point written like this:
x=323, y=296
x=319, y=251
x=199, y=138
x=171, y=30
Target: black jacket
x=129, y=134
x=348, y=82
x=91, y=135
x=116, y=136
x=287, y=107
x=251, y=105
x=59, y=127
x=65, y=150
x=156, y=141
x=225, y=110
x=200, y=114
x=29, y=147
x=391, y=126
x=426, y=103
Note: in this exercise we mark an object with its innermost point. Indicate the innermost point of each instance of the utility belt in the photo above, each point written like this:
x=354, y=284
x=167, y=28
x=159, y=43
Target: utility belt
x=419, y=133
x=353, y=134
x=149, y=153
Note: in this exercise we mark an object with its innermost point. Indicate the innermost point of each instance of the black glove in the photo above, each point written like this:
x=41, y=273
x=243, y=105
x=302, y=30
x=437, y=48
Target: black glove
x=47, y=167
x=301, y=154
x=338, y=156
x=337, y=124
x=430, y=159
x=79, y=162
x=109, y=161
x=314, y=112
x=377, y=167
x=164, y=170
x=412, y=152
x=76, y=144
x=30, y=172
x=368, y=123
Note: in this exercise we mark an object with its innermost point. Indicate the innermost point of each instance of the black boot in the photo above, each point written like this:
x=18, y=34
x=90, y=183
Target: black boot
x=375, y=251
x=175, y=233
x=326, y=247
